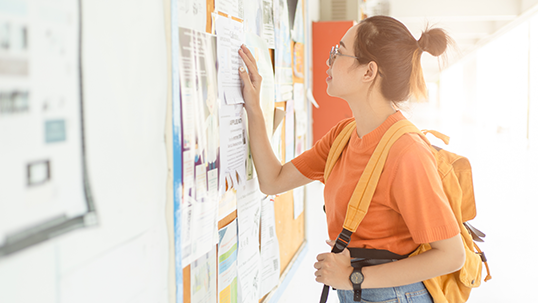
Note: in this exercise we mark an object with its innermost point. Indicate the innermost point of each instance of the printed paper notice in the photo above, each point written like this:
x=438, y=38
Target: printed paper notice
x=233, y=156
x=204, y=278
x=270, y=255
x=248, y=260
x=290, y=131
x=192, y=14
x=230, y=7
x=268, y=23
x=229, y=40
x=228, y=263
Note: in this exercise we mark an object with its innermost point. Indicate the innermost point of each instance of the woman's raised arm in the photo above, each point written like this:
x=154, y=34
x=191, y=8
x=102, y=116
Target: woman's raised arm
x=273, y=177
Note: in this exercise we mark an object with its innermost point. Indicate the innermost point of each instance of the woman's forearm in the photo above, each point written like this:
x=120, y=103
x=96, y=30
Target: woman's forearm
x=440, y=260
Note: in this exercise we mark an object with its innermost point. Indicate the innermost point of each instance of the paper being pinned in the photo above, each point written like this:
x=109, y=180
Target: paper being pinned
x=229, y=39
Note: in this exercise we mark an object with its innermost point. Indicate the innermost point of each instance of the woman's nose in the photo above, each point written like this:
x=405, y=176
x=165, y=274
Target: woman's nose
x=327, y=62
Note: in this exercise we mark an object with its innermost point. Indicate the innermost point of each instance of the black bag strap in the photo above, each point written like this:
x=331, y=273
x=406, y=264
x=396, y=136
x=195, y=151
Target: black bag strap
x=367, y=253
x=341, y=243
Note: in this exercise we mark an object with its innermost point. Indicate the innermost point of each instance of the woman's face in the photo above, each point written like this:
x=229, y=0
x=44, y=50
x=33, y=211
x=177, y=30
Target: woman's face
x=344, y=73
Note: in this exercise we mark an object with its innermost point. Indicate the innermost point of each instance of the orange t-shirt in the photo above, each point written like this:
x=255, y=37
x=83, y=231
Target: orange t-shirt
x=409, y=205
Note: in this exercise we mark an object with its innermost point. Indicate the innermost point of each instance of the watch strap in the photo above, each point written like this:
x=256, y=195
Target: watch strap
x=357, y=288
x=357, y=294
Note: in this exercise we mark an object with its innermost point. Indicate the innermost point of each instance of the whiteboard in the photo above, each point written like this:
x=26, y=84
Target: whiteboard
x=44, y=190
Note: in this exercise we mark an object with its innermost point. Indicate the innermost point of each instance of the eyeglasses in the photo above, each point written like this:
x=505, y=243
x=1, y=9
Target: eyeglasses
x=336, y=51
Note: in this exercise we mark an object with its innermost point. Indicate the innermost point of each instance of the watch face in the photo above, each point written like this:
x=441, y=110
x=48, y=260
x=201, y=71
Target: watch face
x=356, y=277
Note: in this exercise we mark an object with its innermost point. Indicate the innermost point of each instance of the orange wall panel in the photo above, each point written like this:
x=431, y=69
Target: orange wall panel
x=331, y=110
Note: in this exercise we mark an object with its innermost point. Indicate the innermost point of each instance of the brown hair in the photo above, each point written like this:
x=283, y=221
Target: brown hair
x=389, y=43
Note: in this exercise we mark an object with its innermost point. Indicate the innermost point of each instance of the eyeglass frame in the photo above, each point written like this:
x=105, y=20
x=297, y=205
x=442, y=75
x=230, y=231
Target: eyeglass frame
x=335, y=51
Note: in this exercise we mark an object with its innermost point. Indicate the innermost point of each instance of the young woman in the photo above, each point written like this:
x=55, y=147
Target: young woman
x=375, y=66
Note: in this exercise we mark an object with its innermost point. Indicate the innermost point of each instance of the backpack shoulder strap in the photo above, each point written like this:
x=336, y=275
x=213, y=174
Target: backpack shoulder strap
x=362, y=195
x=338, y=146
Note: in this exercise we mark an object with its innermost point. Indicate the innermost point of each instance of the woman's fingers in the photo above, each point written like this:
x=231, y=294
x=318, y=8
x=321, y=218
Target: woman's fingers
x=249, y=57
x=244, y=77
x=251, y=65
x=250, y=62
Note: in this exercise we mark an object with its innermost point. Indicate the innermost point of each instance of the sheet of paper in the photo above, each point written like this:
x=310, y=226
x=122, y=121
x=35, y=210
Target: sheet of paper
x=187, y=218
x=200, y=111
x=260, y=50
x=297, y=33
x=250, y=279
x=253, y=21
x=276, y=142
x=204, y=278
x=248, y=259
x=233, y=156
x=298, y=62
x=230, y=7
x=283, y=64
x=248, y=214
x=300, y=118
x=270, y=254
x=279, y=117
x=290, y=130
x=230, y=37
x=192, y=14
x=228, y=263
x=249, y=171
x=298, y=201
x=268, y=23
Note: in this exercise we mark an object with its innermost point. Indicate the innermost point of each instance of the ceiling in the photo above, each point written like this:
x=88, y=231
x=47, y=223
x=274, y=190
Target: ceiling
x=467, y=21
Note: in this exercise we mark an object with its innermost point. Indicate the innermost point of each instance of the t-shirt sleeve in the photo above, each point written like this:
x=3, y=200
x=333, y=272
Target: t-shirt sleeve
x=311, y=163
x=418, y=194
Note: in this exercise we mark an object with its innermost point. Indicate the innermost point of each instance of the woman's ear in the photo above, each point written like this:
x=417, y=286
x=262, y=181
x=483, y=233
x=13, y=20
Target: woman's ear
x=370, y=72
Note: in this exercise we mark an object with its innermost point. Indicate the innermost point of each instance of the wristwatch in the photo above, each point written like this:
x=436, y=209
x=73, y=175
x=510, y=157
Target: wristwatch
x=356, y=279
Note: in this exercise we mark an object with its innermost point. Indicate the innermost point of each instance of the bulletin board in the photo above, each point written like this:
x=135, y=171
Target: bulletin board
x=210, y=179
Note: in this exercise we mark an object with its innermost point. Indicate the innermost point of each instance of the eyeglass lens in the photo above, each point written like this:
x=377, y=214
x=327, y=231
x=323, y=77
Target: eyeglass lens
x=332, y=54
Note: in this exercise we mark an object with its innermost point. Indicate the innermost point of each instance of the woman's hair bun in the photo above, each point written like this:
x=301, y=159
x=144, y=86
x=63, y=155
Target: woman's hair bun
x=434, y=41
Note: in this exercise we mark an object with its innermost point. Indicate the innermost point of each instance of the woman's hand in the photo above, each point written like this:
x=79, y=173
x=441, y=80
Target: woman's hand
x=251, y=81
x=334, y=269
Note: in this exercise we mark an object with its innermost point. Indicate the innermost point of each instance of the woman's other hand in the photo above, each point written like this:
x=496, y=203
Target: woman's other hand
x=251, y=80
x=334, y=269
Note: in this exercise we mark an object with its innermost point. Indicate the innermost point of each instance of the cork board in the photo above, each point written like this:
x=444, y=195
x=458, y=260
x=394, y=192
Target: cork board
x=290, y=231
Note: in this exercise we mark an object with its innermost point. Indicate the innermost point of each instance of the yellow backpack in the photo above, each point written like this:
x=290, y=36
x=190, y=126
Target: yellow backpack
x=456, y=176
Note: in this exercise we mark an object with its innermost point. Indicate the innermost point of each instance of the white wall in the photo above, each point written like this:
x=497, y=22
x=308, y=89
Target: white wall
x=126, y=257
